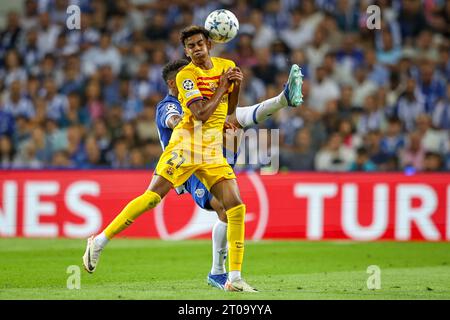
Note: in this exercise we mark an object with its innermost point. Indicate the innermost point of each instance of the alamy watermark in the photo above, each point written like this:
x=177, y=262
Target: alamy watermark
x=373, y=20
x=74, y=278
x=374, y=280
x=257, y=148
x=73, y=21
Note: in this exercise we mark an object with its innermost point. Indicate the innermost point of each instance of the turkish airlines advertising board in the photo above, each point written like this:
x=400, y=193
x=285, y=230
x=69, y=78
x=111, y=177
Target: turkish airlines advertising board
x=309, y=206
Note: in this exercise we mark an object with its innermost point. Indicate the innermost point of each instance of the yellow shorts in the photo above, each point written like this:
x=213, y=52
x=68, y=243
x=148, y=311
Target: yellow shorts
x=177, y=170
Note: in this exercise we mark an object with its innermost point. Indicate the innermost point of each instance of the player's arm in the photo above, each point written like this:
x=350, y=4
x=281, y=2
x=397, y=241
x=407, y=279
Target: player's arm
x=169, y=115
x=236, y=77
x=202, y=109
x=173, y=121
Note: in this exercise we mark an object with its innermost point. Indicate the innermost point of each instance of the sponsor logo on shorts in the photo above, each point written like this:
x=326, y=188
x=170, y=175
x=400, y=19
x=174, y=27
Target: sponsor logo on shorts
x=188, y=84
x=200, y=193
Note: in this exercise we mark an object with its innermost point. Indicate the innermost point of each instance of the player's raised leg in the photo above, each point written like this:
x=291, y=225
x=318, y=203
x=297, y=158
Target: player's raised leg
x=158, y=188
x=291, y=96
x=227, y=193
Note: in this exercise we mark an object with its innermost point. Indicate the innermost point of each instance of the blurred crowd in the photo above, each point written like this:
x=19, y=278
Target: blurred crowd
x=374, y=99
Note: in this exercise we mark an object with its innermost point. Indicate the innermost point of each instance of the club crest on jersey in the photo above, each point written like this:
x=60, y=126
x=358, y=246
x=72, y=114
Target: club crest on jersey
x=170, y=171
x=213, y=86
x=200, y=193
x=188, y=84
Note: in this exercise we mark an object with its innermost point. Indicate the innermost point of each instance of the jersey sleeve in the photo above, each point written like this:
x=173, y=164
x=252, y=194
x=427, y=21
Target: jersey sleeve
x=166, y=111
x=187, y=87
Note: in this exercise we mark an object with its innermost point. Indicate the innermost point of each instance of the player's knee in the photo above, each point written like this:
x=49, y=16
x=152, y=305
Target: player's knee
x=236, y=214
x=222, y=216
x=232, y=203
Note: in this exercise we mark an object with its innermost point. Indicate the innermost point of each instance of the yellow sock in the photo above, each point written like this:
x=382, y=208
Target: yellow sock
x=133, y=209
x=235, y=237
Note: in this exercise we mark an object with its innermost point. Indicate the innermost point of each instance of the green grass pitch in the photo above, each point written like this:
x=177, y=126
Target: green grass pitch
x=154, y=269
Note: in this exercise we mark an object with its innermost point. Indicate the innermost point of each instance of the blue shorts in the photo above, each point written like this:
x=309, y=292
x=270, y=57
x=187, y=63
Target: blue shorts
x=199, y=192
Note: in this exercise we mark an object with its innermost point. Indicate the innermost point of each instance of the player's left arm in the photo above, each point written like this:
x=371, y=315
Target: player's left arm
x=236, y=76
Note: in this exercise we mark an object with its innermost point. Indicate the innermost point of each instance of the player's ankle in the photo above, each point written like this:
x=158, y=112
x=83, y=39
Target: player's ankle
x=216, y=270
x=234, y=275
x=101, y=240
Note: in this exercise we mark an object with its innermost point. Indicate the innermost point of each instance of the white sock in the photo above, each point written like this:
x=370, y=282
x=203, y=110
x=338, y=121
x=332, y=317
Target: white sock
x=101, y=240
x=234, y=275
x=248, y=116
x=219, y=247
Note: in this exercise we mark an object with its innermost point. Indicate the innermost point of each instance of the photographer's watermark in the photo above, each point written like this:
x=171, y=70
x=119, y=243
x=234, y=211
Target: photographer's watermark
x=73, y=21
x=74, y=279
x=373, y=17
x=257, y=148
x=374, y=280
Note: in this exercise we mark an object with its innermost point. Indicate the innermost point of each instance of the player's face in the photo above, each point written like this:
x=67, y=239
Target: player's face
x=197, y=48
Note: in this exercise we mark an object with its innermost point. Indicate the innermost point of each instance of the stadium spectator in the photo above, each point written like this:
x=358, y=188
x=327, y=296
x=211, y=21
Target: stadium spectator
x=335, y=156
x=47, y=34
x=409, y=105
x=377, y=89
x=373, y=117
x=362, y=161
x=433, y=162
x=6, y=152
x=301, y=155
x=263, y=34
x=441, y=114
x=317, y=49
x=105, y=54
x=414, y=153
x=12, y=69
x=431, y=86
x=299, y=33
x=350, y=137
x=432, y=140
x=411, y=19
x=15, y=103
x=393, y=141
x=323, y=90
x=12, y=34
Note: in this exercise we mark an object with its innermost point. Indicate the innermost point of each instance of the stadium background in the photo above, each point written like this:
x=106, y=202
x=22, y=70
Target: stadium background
x=355, y=158
x=375, y=100
x=376, y=106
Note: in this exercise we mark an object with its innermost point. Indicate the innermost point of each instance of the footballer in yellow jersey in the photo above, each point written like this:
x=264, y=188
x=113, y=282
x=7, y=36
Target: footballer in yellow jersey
x=174, y=168
x=196, y=146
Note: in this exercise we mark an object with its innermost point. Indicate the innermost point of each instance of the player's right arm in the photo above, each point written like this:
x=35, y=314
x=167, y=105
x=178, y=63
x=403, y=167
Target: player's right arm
x=200, y=108
x=173, y=121
x=169, y=115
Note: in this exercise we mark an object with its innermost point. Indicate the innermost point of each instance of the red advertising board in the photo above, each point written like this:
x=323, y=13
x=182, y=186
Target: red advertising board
x=311, y=206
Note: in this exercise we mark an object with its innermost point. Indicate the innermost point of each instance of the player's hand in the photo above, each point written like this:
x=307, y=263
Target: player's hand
x=236, y=76
x=224, y=81
x=229, y=126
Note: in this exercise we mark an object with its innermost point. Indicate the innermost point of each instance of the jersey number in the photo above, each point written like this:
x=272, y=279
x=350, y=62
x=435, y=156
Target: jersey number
x=174, y=156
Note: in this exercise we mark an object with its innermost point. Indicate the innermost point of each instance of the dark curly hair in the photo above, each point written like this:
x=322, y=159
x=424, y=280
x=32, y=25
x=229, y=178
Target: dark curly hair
x=170, y=70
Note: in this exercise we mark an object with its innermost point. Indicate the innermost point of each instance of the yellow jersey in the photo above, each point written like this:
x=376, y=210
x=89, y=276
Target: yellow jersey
x=196, y=84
